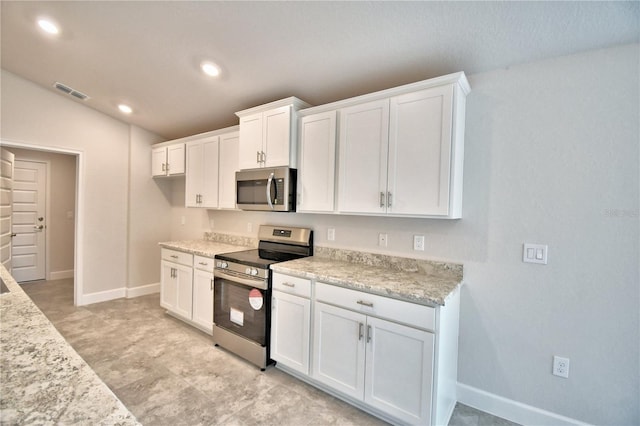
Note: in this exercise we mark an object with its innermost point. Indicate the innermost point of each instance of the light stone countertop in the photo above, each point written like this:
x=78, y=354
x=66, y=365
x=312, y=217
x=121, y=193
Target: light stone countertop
x=417, y=281
x=202, y=247
x=43, y=380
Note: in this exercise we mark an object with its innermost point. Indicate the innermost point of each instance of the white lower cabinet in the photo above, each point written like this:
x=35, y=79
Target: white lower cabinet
x=203, y=293
x=388, y=366
x=176, y=279
x=395, y=359
x=186, y=288
x=291, y=322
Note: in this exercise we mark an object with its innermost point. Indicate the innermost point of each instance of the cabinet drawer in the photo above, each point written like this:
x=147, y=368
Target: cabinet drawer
x=202, y=262
x=371, y=304
x=177, y=256
x=292, y=285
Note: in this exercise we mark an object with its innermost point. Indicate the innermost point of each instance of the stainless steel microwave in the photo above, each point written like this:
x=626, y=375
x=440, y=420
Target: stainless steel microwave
x=270, y=189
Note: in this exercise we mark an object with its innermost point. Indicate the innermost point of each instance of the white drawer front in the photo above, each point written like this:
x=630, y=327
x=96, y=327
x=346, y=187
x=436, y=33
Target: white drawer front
x=204, y=263
x=292, y=285
x=371, y=304
x=177, y=257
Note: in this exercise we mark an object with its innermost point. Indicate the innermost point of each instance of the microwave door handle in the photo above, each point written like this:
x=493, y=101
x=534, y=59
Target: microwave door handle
x=269, y=183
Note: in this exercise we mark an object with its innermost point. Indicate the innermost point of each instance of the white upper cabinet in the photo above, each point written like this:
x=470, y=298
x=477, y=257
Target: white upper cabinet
x=168, y=160
x=419, y=167
x=317, y=163
x=227, y=171
x=201, y=188
x=268, y=134
x=364, y=143
x=400, y=152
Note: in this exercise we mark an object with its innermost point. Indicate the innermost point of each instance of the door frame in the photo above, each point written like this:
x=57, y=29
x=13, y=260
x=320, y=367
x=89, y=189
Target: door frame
x=78, y=258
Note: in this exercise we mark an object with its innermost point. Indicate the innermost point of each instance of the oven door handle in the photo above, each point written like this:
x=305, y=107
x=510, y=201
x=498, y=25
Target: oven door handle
x=269, y=183
x=249, y=282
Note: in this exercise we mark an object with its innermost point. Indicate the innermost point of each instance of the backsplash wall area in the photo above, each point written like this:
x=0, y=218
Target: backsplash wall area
x=551, y=157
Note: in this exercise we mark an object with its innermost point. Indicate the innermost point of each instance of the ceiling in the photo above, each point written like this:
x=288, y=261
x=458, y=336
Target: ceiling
x=147, y=54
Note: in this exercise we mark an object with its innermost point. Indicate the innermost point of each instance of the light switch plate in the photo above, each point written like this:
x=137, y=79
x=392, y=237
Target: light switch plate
x=331, y=234
x=535, y=253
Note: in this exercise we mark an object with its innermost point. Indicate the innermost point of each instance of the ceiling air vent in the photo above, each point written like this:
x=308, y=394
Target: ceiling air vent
x=69, y=91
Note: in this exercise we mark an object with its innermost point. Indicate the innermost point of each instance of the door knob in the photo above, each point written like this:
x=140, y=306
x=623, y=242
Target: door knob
x=38, y=227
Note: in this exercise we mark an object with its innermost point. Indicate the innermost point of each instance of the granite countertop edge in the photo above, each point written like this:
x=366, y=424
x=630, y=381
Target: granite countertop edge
x=36, y=356
x=415, y=287
x=202, y=247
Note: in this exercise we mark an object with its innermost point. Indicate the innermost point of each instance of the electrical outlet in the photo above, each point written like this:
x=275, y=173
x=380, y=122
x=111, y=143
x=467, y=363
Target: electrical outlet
x=418, y=242
x=561, y=367
x=382, y=240
x=249, y=227
x=331, y=234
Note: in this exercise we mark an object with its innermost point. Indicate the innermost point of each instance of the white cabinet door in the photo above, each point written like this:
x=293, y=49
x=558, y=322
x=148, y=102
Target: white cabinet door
x=420, y=152
x=339, y=349
x=290, y=326
x=159, y=161
x=194, y=174
x=250, y=144
x=399, y=370
x=210, y=160
x=175, y=159
x=168, y=286
x=184, y=290
x=201, y=183
x=276, y=136
x=364, y=137
x=316, y=174
x=203, y=299
x=229, y=145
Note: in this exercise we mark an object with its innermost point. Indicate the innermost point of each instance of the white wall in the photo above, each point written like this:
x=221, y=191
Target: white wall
x=38, y=117
x=60, y=227
x=552, y=157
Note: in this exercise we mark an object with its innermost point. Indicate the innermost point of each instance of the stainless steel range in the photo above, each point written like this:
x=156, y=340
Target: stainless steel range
x=242, y=291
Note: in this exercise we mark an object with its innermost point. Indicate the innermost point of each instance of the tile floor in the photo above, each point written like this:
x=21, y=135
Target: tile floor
x=168, y=373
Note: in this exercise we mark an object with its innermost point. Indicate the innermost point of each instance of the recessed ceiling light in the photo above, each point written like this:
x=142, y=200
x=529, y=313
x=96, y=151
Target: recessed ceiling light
x=125, y=109
x=48, y=26
x=210, y=69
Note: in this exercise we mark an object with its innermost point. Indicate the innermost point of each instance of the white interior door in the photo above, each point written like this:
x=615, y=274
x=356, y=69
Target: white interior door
x=29, y=220
x=6, y=187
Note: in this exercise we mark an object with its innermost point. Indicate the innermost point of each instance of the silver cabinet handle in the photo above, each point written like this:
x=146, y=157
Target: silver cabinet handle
x=164, y=167
x=388, y=199
x=363, y=303
x=288, y=285
x=264, y=157
x=211, y=286
x=360, y=331
x=174, y=256
x=381, y=199
x=167, y=167
x=368, y=333
x=257, y=156
x=203, y=263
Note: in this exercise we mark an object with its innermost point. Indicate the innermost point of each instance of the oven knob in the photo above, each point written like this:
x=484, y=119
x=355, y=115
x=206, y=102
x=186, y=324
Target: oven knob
x=223, y=265
x=251, y=271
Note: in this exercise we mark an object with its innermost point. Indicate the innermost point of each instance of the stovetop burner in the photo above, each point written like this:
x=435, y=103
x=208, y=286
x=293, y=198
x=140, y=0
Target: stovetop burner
x=277, y=244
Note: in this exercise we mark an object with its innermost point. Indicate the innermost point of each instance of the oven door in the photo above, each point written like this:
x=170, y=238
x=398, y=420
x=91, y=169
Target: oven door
x=241, y=308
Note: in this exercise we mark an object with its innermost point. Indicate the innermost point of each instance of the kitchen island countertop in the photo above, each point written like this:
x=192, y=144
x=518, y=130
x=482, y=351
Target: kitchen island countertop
x=417, y=281
x=43, y=380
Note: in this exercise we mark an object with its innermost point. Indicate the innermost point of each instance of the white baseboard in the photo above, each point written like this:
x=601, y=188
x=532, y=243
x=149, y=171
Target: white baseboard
x=509, y=409
x=143, y=290
x=60, y=275
x=102, y=296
